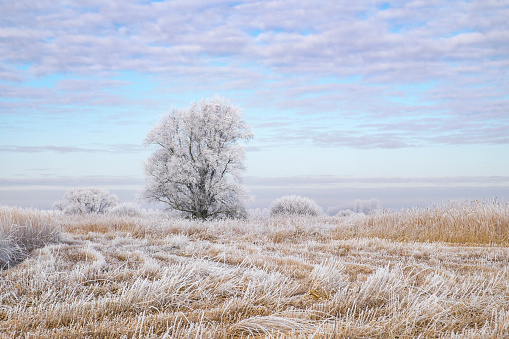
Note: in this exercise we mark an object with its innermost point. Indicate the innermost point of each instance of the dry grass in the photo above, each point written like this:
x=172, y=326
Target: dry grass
x=21, y=231
x=303, y=277
x=476, y=222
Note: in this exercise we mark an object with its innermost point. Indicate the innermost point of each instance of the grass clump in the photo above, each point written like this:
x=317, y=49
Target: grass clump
x=21, y=231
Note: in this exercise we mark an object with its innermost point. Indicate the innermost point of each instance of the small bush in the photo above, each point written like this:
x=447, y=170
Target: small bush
x=344, y=213
x=295, y=205
x=128, y=209
x=257, y=213
x=366, y=206
x=87, y=200
x=358, y=206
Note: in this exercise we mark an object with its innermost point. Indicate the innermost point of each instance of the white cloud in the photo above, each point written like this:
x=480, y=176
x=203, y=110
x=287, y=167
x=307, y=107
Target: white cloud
x=117, y=148
x=278, y=52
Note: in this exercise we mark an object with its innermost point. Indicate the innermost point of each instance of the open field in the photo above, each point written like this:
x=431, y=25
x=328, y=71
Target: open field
x=429, y=273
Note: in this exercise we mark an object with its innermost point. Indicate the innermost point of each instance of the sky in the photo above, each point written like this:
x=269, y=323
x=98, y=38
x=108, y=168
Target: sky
x=403, y=101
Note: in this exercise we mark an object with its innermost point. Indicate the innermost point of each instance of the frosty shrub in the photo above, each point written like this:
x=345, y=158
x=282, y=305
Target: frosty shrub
x=258, y=213
x=197, y=164
x=358, y=206
x=295, y=205
x=344, y=213
x=126, y=209
x=365, y=206
x=87, y=200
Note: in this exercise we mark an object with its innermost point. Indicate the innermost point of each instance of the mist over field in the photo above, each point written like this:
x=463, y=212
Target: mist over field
x=394, y=199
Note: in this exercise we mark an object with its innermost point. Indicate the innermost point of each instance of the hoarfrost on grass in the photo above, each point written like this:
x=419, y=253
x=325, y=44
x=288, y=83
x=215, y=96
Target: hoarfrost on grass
x=22, y=230
x=282, y=277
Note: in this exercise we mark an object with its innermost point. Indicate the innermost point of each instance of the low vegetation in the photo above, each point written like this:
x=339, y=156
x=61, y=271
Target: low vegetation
x=462, y=222
x=358, y=206
x=295, y=205
x=429, y=273
x=87, y=200
x=23, y=230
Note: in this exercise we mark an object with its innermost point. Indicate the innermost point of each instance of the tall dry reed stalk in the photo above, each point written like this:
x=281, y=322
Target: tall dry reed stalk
x=475, y=222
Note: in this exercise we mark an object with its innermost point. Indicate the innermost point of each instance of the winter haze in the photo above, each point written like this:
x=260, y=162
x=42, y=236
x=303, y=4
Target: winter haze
x=403, y=101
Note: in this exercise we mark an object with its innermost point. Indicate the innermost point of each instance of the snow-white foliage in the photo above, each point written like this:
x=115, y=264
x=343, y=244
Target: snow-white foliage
x=258, y=213
x=358, y=206
x=87, y=200
x=294, y=204
x=126, y=209
x=366, y=206
x=344, y=213
x=198, y=162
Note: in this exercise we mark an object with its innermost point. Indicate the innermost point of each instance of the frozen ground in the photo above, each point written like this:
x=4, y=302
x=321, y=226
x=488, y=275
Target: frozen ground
x=422, y=273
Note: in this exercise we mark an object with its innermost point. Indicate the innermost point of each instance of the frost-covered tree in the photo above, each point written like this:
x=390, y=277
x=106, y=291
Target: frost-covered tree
x=87, y=200
x=197, y=165
x=295, y=205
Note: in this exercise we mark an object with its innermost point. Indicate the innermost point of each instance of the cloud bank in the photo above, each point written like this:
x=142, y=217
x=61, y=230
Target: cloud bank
x=81, y=83
x=368, y=74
